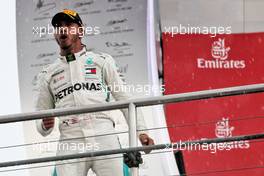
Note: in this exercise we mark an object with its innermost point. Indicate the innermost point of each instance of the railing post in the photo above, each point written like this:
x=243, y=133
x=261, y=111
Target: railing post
x=132, y=124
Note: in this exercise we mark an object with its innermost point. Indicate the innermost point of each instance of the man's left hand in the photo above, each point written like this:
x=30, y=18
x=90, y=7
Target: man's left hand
x=146, y=141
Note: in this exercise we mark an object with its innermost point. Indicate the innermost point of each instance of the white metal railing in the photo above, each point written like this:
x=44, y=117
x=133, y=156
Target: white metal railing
x=132, y=105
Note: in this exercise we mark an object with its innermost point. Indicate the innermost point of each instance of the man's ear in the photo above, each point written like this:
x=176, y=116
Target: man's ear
x=81, y=31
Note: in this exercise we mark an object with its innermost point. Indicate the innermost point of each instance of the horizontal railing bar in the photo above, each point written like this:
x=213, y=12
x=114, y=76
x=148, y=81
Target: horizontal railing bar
x=214, y=93
x=62, y=112
x=132, y=149
x=199, y=95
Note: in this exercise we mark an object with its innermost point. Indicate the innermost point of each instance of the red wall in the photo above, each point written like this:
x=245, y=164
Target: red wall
x=243, y=64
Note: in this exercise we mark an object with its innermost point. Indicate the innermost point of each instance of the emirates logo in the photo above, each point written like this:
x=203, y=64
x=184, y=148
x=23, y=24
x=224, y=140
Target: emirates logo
x=219, y=59
x=219, y=51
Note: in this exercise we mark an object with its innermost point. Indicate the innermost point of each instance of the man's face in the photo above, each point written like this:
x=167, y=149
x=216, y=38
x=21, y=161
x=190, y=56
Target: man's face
x=67, y=34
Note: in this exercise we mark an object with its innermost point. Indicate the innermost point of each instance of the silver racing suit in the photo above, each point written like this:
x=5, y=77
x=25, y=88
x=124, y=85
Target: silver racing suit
x=82, y=79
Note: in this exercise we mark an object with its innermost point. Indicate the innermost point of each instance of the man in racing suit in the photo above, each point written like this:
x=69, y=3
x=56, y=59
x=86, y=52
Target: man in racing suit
x=81, y=78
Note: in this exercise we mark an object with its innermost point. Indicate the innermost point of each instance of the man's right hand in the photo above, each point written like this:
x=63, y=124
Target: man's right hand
x=48, y=122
